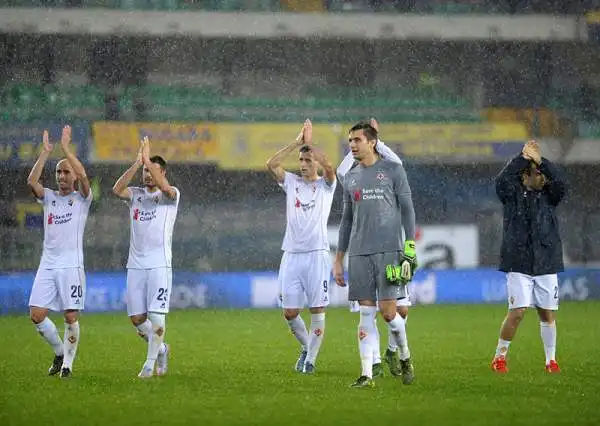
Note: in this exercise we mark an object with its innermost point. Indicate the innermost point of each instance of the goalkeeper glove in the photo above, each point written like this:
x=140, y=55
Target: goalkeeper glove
x=404, y=272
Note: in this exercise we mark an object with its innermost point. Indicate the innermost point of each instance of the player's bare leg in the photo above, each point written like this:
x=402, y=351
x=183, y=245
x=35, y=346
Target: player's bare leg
x=298, y=329
x=548, y=333
x=47, y=329
x=507, y=333
x=366, y=341
x=397, y=327
x=145, y=330
x=317, y=332
x=71, y=342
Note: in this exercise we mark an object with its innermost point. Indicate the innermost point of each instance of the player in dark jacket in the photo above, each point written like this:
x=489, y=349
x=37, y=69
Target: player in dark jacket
x=530, y=188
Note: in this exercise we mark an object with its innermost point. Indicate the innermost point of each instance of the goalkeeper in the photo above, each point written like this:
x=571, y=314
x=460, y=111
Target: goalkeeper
x=377, y=203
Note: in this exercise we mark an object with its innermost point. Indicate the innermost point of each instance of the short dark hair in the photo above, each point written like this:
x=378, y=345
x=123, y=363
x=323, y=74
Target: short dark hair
x=305, y=148
x=159, y=160
x=369, y=131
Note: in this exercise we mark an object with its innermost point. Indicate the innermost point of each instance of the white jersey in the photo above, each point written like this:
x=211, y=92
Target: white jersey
x=307, y=209
x=64, y=223
x=152, y=216
x=383, y=150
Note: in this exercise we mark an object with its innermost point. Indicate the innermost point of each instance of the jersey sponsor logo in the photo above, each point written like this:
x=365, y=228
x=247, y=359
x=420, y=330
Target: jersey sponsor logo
x=143, y=215
x=381, y=176
x=59, y=219
x=305, y=206
x=369, y=194
x=70, y=202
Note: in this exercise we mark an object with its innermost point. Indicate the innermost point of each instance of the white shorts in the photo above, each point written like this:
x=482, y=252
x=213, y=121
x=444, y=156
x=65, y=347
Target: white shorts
x=59, y=289
x=304, y=279
x=355, y=307
x=149, y=290
x=525, y=291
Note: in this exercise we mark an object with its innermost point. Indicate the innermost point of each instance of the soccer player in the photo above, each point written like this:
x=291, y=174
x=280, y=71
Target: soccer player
x=305, y=266
x=377, y=203
x=59, y=284
x=152, y=214
x=402, y=305
x=530, y=188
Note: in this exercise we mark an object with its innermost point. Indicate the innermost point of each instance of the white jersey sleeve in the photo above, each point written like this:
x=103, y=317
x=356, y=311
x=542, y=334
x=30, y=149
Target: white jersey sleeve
x=387, y=153
x=288, y=180
x=152, y=220
x=65, y=217
x=383, y=150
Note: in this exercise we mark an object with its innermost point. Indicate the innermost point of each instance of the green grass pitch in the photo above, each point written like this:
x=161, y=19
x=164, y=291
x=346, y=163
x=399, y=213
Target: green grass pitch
x=235, y=368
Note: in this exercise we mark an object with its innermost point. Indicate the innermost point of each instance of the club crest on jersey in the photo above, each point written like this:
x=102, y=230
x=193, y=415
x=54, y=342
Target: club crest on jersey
x=139, y=199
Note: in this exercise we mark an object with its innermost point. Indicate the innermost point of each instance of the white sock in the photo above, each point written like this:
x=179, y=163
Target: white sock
x=548, y=332
x=392, y=346
x=397, y=330
x=71, y=342
x=502, y=348
x=376, y=345
x=48, y=331
x=317, y=330
x=366, y=339
x=145, y=330
x=299, y=330
x=155, y=339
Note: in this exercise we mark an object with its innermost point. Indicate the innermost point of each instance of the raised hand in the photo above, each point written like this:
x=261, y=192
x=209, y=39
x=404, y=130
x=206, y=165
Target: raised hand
x=46, y=145
x=145, y=149
x=374, y=124
x=307, y=130
x=65, y=138
x=138, y=159
x=532, y=151
x=300, y=137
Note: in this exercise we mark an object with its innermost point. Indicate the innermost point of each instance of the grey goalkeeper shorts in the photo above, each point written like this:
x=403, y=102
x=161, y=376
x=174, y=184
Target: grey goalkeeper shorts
x=367, y=280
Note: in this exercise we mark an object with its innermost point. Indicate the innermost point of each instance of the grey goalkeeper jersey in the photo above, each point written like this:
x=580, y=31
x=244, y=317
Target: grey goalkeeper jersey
x=377, y=205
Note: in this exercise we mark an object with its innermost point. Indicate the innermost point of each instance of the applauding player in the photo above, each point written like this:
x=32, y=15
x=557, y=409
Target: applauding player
x=530, y=188
x=59, y=284
x=152, y=214
x=305, y=266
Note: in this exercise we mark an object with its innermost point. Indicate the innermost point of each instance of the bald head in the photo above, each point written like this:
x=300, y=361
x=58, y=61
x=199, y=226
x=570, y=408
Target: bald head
x=65, y=177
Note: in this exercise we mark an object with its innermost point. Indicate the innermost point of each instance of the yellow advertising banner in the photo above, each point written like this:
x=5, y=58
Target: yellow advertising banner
x=175, y=142
x=454, y=140
x=472, y=132
x=249, y=146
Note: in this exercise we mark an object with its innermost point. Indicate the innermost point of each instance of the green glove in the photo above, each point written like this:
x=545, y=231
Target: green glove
x=403, y=273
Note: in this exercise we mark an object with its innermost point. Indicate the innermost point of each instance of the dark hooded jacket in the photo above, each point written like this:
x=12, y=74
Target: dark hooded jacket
x=531, y=242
